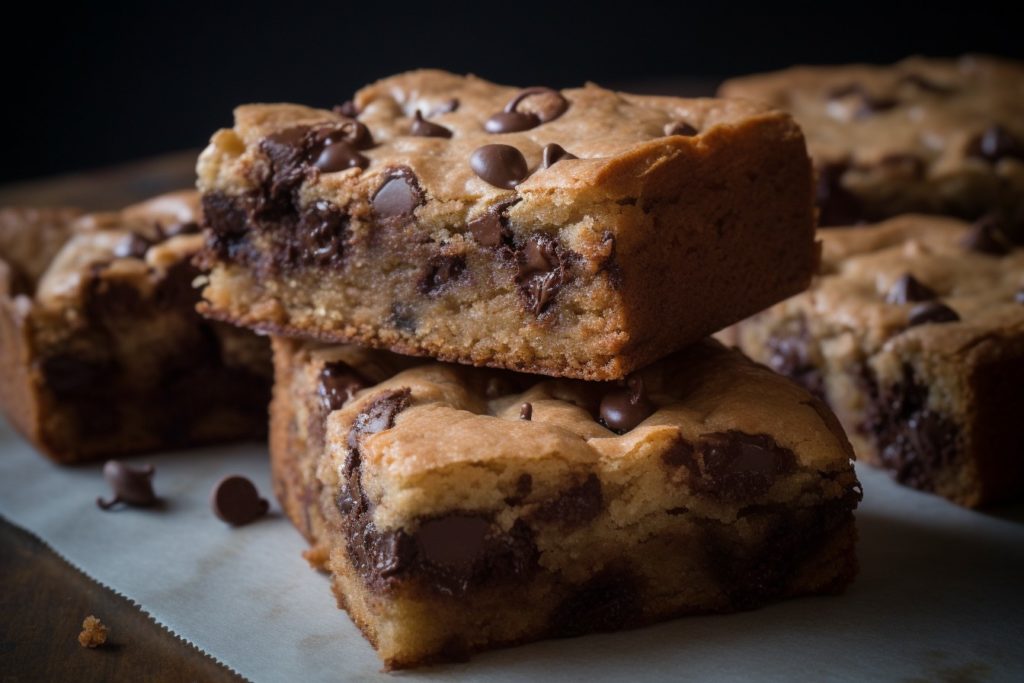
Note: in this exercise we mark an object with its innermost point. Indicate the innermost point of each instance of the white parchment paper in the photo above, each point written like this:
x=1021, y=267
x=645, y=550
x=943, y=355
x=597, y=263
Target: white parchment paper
x=940, y=595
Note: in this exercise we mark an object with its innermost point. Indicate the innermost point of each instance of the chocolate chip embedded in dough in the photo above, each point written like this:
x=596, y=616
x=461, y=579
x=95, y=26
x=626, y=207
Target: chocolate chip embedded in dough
x=398, y=196
x=453, y=542
x=133, y=245
x=338, y=383
x=741, y=466
x=346, y=108
x=680, y=128
x=548, y=105
x=235, y=500
x=986, y=236
x=441, y=271
x=553, y=153
x=932, y=312
x=994, y=144
x=908, y=289
x=502, y=166
x=132, y=486
x=623, y=409
x=422, y=128
x=340, y=156
x=526, y=412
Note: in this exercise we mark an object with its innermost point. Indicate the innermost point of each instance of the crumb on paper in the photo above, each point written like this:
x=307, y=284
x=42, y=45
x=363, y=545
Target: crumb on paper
x=93, y=634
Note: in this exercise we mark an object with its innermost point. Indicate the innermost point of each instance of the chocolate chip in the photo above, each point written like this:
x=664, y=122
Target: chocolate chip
x=503, y=166
x=339, y=382
x=986, y=236
x=995, y=143
x=608, y=601
x=356, y=134
x=340, y=156
x=623, y=409
x=541, y=271
x=423, y=128
x=537, y=257
x=577, y=505
x=926, y=84
x=398, y=196
x=680, y=128
x=931, y=312
x=441, y=271
x=236, y=501
x=552, y=154
x=551, y=105
x=679, y=454
x=346, y=108
x=489, y=229
x=740, y=466
x=908, y=289
x=526, y=411
x=133, y=245
x=379, y=415
x=132, y=486
x=180, y=228
x=836, y=204
x=446, y=107
x=453, y=542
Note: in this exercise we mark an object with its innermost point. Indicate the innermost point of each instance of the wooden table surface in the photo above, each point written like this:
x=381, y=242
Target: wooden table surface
x=44, y=599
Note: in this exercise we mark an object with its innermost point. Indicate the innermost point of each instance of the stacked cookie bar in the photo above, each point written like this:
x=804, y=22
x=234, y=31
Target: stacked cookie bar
x=914, y=331
x=560, y=449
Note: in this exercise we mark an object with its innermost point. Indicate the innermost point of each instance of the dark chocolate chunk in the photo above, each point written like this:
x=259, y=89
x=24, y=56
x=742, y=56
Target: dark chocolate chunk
x=339, y=382
x=339, y=156
x=346, y=108
x=836, y=204
x=441, y=271
x=909, y=289
x=356, y=134
x=740, y=466
x=453, y=542
x=132, y=486
x=679, y=454
x=503, y=166
x=320, y=236
x=490, y=229
x=287, y=152
x=551, y=105
x=680, y=128
x=552, y=154
x=542, y=267
x=793, y=355
x=986, y=236
x=623, y=409
x=398, y=196
x=931, y=312
x=578, y=505
x=133, y=245
x=423, y=128
x=446, y=107
x=995, y=143
x=236, y=501
x=526, y=411
x=226, y=218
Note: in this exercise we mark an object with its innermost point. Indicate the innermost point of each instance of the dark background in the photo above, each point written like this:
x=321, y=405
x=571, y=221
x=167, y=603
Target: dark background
x=95, y=85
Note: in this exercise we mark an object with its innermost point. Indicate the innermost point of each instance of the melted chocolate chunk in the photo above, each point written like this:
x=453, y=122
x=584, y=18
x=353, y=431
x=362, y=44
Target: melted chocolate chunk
x=490, y=229
x=352, y=132
x=131, y=486
x=287, y=153
x=399, y=195
x=994, y=144
x=379, y=415
x=225, y=217
x=236, y=501
x=623, y=409
x=503, y=166
x=738, y=466
x=549, y=105
x=679, y=454
x=931, y=312
x=608, y=601
x=452, y=543
x=422, y=128
x=320, y=236
x=339, y=156
x=836, y=204
x=441, y=272
x=526, y=411
x=986, y=236
x=133, y=245
x=905, y=164
x=552, y=154
x=680, y=128
x=578, y=505
x=542, y=269
x=339, y=382
x=909, y=289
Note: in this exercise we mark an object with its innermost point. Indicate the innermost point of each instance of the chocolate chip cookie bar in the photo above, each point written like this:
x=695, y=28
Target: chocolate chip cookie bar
x=923, y=135
x=580, y=233
x=101, y=349
x=460, y=509
x=914, y=334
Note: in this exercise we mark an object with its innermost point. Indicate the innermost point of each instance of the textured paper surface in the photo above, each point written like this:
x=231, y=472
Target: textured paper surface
x=940, y=596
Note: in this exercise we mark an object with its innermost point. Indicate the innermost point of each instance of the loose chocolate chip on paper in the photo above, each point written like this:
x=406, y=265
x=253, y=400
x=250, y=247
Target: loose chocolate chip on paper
x=133, y=245
x=680, y=128
x=503, y=166
x=398, y=196
x=553, y=153
x=236, y=501
x=526, y=411
x=932, y=312
x=132, y=486
x=623, y=409
x=339, y=382
x=995, y=143
x=550, y=105
x=986, y=236
x=909, y=289
x=427, y=129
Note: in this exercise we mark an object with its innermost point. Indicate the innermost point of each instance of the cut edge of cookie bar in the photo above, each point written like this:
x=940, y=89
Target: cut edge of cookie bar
x=82, y=330
x=592, y=267
x=934, y=405
x=448, y=517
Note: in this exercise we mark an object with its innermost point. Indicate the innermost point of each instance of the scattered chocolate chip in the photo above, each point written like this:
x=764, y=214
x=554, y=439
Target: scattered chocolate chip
x=526, y=411
x=836, y=204
x=995, y=143
x=503, y=166
x=441, y=271
x=931, y=312
x=236, y=501
x=398, y=196
x=680, y=128
x=446, y=107
x=339, y=382
x=180, y=228
x=552, y=154
x=133, y=245
x=346, y=108
x=909, y=289
x=551, y=105
x=986, y=236
x=340, y=156
x=131, y=486
x=623, y=409
x=926, y=84
x=423, y=128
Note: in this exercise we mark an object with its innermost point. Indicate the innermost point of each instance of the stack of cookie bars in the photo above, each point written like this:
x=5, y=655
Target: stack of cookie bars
x=560, y=449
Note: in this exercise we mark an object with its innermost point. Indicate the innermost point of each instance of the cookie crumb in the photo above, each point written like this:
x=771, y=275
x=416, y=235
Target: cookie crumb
x=93, y=634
